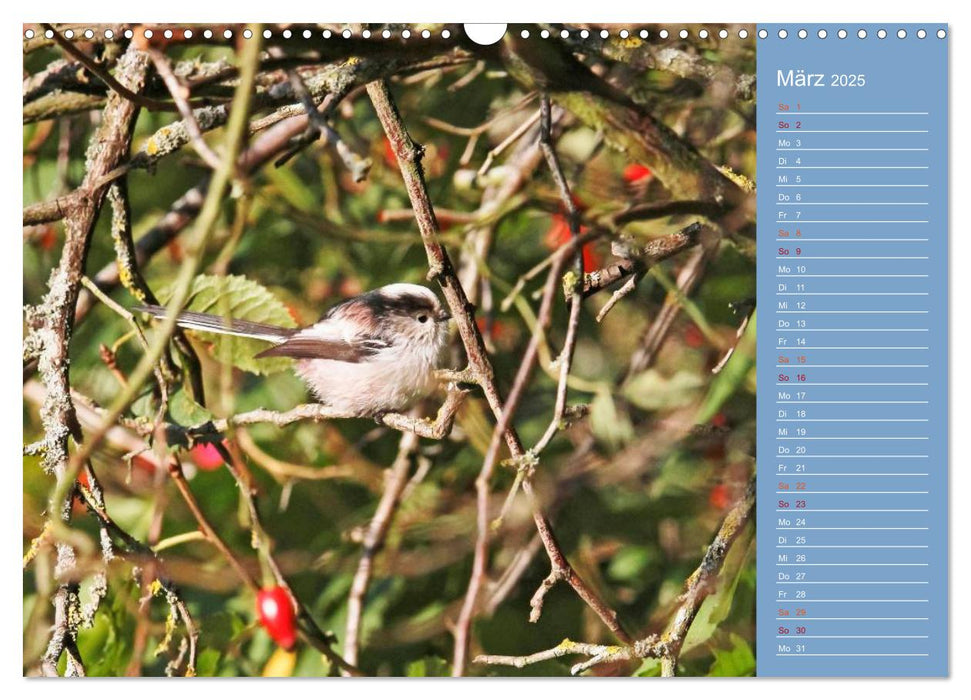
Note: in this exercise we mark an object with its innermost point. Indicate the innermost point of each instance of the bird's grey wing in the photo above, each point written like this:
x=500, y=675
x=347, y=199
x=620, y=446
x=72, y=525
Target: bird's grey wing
x=210, y=323
x=306, y=347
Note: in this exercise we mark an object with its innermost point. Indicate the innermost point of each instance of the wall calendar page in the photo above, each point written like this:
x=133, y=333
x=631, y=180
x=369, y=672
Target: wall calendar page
x=533, y=350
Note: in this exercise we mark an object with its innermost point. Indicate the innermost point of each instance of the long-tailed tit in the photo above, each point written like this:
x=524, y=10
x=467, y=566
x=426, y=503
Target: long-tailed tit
x=368, y=355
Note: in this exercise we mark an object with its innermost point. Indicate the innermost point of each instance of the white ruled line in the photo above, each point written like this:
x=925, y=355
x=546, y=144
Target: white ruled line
x=802, y=239
x=851, y=384
x=851, y=546
x=860, y=311
x=852, y=131
x=852, y=456
x=852, y=636
x=853, y=510
x=853, y=600
x=800, y=113
x=802, y=493
x=852, y=221
x=851, y=330
x=855, y=618
x=852, y=167
x=884, y=276
x=852, y=583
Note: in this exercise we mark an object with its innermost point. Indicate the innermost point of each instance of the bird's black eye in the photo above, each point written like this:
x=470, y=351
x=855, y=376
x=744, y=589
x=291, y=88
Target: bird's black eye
x=422, y=318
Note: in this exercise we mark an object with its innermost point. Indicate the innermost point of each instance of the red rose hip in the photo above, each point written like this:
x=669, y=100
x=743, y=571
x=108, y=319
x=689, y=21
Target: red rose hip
x=276, y=615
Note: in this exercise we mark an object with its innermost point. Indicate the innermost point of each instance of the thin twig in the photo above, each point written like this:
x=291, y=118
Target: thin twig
x=395, y=481
x=180, y=94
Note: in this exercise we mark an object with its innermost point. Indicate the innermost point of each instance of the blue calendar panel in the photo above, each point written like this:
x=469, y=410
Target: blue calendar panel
x=852, y=350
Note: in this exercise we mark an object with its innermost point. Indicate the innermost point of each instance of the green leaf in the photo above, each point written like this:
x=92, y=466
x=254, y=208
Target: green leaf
x=650, y=668
x=652, y=391
x=428, y=667
x=240, y=298
x=732, y=376
x=717, y=606
x=610, y=426
x=185, y=411
x=207, y=662
x=734, y=662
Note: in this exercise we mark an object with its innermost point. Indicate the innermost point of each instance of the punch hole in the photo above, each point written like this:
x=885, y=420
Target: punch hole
x=723, y=34
x=486, y=34
x=822, y=34
x=841, y=33
x=941, y=34
x=762, y=34
x=802, y=33
x=29, y=34
x=901, y=33
x=663, y=34
x=643, y=34
x=743, y=33
x=187, y=34
x=881, y=34
x=921, y=34
x=861, y=33
x=703, y=33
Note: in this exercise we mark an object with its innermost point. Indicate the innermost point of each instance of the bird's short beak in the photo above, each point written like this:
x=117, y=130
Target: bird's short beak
x=444, y=315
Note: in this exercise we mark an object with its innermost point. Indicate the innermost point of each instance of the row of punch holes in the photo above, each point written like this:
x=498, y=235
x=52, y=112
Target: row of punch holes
x=543, y=34
x=860, y=33
x=385, y=34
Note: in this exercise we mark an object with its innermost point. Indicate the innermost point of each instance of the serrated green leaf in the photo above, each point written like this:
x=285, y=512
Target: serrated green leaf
x=240, y=298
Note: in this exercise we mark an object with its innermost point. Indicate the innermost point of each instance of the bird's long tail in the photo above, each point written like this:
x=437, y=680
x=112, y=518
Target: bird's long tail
x=212, y=323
